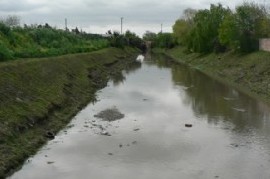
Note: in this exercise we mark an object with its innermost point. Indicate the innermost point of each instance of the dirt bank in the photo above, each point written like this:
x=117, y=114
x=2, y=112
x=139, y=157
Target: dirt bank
x=38, y=97
x=249, y=73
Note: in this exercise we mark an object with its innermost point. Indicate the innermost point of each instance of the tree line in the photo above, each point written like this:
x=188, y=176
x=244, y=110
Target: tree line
x=44, y=40
x=219, y=28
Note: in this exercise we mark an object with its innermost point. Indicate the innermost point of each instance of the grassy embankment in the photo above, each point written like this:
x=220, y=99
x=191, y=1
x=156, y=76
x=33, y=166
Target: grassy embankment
x=45, y=41
x=41, y=95
x=248, y=72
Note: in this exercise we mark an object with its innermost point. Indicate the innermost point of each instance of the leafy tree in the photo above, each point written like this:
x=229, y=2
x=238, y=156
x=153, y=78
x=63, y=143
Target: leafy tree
x=204, y=36
x=228, y=32
x=181, y=29
x=183, y=26
x=189, y=14
x=165, y=40
x=149, y=36
x=243, y=29
x=249, y=21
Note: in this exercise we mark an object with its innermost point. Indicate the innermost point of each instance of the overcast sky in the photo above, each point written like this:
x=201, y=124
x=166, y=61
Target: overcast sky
x=98, y=16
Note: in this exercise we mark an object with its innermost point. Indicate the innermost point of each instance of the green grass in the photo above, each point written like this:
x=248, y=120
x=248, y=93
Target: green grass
x=41, y=41
x=248, y=72
x=39, y=95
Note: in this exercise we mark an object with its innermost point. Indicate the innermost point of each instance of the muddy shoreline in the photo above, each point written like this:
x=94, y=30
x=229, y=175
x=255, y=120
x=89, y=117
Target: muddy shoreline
x=33, y=111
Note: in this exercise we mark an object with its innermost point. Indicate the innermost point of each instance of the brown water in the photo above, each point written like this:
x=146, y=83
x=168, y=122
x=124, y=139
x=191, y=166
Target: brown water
x=230, y=136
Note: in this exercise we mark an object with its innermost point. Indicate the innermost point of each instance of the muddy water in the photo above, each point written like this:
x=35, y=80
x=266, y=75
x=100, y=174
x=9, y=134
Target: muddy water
x=229, y=137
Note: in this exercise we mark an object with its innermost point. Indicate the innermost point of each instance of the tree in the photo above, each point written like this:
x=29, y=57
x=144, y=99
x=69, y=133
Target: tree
x=183, y=26
x=243, y=29
x=149, y=36
x=181, y=29
x=189, y=14
x=11, y=21
x=228, y=32
x=204, y=35
x=250, y=19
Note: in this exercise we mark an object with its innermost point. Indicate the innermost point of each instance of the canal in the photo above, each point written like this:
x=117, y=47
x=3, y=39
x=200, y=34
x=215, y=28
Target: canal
x=168, y=121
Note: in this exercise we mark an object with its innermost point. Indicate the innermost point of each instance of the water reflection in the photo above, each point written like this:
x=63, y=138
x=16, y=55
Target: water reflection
x=120, y=77
x=215, y=101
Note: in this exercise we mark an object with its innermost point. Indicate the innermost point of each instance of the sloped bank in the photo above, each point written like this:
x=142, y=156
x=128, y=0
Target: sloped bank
x=38, y=97
x=249, y=73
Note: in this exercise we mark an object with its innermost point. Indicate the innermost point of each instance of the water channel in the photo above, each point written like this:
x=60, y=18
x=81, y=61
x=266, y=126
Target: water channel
x=229, y=136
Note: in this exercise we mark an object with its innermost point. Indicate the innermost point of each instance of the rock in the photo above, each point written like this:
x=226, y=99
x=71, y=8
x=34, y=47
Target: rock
x=235, y=145
x=120, y=145
x=110, y=153
x=50, y=162
x=110, y=115
x=50, y=135
x=188, y=125
x=137, y=129
x=70, y=126
x=134, y=142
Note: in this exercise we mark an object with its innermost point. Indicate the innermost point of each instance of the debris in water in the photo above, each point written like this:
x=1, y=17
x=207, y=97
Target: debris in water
x=239, y=109
x=187, y=87
x=228, y=99
x=235, y=145
x=105, y=133
x=111, y=114
x=50, y=162
x=188, y=125
x=120, y=145
x=70, y=126
x=140, y=58
x=110, y=153
x=137, y=129
x=134, y=142
x=50, y=135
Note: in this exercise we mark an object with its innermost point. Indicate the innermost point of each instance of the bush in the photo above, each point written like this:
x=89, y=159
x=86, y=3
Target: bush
x=5, y=53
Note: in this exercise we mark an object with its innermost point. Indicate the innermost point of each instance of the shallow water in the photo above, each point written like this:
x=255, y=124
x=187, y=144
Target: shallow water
x=229, y=137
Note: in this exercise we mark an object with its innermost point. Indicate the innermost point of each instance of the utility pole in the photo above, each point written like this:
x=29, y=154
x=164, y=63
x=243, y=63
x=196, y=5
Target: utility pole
x=122, y=25
x=66, y=24
x=161, y=28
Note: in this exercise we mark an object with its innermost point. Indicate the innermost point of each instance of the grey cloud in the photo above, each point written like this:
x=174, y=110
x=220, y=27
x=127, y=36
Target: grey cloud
x=100, y=13
x=16, y=6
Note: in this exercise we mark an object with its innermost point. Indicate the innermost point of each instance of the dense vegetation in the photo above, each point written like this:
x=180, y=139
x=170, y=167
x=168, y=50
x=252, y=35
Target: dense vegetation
x=128, y=39
x=219, y=29
x=160, y=40
x=44, y=40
